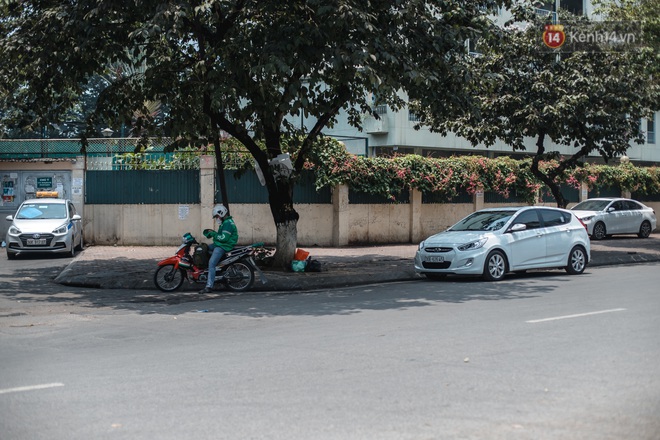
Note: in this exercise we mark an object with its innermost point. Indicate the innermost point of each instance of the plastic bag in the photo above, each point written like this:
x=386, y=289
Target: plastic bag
x=313, y=265
x=298, y=265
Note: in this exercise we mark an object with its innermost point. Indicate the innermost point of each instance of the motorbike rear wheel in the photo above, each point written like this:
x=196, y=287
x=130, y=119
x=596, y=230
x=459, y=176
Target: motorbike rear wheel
x=169, y=279
x=239, y=277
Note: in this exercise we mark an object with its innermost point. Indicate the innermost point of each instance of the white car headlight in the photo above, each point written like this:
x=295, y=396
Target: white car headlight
x=13, y=230
x=61, y=230
x=472, y=245
x=421, y=246
x=586, y=219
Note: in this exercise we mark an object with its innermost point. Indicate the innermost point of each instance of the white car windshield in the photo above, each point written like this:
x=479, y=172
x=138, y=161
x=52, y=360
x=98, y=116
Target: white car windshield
x=591, y=205
x=483, y=221
x=42, y=211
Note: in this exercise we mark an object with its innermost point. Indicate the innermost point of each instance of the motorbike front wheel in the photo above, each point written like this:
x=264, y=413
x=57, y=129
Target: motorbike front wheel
x=168, y=279
x=239, y=277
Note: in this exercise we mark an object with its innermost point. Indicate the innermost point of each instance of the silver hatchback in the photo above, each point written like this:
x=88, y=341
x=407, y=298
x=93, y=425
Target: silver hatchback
x=493, y=242
x=45, y=225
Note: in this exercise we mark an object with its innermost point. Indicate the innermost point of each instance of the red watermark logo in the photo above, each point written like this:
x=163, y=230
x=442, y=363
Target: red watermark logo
x=554, y=36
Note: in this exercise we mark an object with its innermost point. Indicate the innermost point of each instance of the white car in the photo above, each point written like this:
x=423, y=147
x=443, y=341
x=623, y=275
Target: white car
x=494, y=242
x=607, y=216
x=45, y=225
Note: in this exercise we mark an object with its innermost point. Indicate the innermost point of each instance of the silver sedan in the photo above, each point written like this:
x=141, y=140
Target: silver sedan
x=604, y=217
x=45, y=225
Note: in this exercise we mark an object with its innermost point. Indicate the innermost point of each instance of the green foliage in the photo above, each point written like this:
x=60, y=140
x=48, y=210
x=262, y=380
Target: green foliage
x=444, y=177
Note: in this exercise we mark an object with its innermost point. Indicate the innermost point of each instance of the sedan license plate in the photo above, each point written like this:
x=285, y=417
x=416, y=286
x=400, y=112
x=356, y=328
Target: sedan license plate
x=434, y=259
x=36, y=242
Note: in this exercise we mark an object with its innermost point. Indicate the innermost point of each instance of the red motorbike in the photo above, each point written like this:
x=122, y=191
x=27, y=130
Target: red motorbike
x=236, y=270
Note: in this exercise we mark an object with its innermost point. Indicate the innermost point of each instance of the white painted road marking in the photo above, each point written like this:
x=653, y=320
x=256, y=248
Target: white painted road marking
x=579, y=315
x=31, y=388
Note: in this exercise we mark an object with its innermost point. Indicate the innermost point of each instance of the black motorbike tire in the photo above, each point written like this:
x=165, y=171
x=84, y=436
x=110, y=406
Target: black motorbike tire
x=169, y=279
x=239, y=277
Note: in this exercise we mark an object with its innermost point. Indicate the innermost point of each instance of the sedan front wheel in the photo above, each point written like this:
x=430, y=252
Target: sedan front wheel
x=599, y=231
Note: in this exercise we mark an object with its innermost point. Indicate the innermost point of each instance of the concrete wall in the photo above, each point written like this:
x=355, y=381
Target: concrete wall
x=337, y=224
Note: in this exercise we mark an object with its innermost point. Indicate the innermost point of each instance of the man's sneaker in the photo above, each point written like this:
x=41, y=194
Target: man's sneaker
x=206, y=290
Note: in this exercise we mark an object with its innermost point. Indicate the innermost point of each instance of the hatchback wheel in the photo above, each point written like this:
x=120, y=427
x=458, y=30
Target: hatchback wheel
x=495, y=267
x=644, y=230
x=577, y=261
x=599, y=231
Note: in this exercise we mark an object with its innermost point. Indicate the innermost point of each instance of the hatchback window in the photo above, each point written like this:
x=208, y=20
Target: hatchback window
x=42, y=211
x=483, y=221
x=554, y=218
x=529, y=218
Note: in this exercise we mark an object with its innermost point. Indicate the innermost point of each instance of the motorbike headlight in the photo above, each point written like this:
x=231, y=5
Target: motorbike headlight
x=472, y=245
x=61, y=230
x=13, y=230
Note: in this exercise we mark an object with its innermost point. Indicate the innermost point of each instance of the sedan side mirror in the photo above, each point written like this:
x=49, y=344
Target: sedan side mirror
x=76, y=217
x=611, y=209
x=9, y=218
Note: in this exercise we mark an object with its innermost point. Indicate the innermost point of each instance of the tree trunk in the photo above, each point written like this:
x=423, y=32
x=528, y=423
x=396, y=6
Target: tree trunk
x=286, y=220
x=221, y=171
x=547, y=179
x=287, y=241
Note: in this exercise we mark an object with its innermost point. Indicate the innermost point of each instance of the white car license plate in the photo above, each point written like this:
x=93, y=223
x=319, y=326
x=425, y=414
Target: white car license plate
x=36, y=242
x=434, y=259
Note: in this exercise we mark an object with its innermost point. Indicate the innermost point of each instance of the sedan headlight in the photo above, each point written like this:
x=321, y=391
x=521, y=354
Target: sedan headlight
x=62, y=229
x=13, y=230
x=421, y=246
x=472, y=245
x=586, y=219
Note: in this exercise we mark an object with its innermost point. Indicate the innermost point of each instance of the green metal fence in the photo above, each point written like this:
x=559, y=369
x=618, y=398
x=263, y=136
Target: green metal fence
x=140, y=187
x=247, y=189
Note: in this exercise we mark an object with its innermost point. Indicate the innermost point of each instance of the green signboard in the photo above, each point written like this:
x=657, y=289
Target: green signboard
x=44, y=182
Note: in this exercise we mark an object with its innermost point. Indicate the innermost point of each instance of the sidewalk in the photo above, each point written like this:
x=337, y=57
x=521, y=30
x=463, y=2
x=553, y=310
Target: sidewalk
x=132, y=267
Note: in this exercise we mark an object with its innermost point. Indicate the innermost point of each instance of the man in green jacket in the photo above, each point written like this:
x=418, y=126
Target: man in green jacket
x=223, y=241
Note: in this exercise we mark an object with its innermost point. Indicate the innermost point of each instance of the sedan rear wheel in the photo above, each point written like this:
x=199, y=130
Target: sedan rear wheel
x=495, y=267
x=577, y=261
x=599, y=231
x=644, y=230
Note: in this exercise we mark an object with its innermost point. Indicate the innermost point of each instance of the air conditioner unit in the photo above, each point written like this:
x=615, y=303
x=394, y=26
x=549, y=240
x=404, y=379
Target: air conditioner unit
x=376, y=126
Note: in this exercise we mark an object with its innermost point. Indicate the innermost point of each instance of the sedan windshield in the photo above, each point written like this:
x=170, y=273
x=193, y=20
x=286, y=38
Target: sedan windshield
x=591, y=205
x=42, y=211
x=483, y=221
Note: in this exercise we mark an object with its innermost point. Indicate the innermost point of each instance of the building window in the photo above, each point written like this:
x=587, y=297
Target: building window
x=650, y=129
x=380, y=109
x=574, y=6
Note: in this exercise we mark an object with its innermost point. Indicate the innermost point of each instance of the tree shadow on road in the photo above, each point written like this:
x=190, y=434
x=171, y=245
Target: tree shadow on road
x=32, y=285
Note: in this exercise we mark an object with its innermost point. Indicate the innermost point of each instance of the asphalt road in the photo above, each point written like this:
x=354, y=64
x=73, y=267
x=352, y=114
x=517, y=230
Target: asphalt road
x=539, y=356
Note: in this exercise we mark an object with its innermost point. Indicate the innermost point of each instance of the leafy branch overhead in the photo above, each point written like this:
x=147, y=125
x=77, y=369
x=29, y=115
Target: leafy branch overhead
x=589, y=101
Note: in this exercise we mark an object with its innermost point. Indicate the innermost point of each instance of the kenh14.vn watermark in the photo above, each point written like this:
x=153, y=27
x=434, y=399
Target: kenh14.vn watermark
x=604, y=36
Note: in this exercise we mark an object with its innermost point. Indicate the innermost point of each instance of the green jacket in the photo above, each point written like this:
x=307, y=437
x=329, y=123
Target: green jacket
x=227, y=235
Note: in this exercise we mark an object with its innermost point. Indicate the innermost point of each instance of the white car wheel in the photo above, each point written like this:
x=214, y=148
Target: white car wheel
x=577, y=261
x=495, y=267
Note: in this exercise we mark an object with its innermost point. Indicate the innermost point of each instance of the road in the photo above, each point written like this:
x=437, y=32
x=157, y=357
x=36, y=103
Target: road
x=539, y=356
